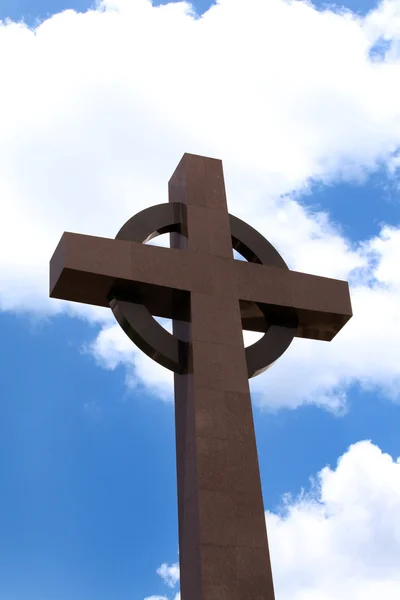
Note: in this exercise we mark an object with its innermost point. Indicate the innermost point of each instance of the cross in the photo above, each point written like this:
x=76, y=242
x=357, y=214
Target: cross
x=211, y=298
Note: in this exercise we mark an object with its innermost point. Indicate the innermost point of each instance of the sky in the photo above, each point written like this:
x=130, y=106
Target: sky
x=99, y=102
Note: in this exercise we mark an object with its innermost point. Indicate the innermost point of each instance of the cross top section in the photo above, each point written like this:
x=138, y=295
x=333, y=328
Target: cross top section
x=197, y=275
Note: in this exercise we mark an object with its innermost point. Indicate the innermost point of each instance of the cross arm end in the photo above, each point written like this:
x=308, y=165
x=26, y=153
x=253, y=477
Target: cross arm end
x=320, y=305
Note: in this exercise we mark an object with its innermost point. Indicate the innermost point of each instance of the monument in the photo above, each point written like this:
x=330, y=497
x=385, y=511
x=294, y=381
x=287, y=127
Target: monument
x=211, y=298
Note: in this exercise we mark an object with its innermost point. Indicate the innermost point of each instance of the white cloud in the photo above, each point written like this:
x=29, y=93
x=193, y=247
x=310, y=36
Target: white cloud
x=100, y=107
x=112, y=348
x=169, y=574
x=341, y=539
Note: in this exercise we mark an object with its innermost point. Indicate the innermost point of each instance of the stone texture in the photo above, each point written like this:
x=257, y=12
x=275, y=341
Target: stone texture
x=214, y=410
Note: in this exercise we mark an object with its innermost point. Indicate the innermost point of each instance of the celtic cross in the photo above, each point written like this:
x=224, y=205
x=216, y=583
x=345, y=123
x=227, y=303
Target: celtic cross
x=211, y=298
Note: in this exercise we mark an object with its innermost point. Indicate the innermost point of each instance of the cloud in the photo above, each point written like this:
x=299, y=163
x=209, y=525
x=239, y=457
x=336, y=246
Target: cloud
x=112, y=348
x=169, y=574
x=94, y=129
x=341, y=539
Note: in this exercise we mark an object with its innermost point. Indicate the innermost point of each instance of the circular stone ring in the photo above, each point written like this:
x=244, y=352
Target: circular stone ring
x=165, y=348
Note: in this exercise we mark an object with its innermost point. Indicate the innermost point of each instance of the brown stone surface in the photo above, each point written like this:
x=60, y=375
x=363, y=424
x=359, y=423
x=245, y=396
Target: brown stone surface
x=223, y=543
x=218, y=422
x=322, y=304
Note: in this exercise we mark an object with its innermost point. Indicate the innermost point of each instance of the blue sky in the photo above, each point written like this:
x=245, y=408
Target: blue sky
x=30, y=11
x=87, y=464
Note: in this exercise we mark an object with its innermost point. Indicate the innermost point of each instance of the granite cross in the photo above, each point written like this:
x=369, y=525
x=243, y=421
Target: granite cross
x=211, y=298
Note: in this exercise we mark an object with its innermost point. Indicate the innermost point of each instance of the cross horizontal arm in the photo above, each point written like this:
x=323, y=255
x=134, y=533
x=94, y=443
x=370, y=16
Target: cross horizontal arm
x=321, y=305
x=87, y=269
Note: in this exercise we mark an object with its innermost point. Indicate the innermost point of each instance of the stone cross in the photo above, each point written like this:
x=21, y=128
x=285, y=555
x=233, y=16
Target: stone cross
x=211, y=298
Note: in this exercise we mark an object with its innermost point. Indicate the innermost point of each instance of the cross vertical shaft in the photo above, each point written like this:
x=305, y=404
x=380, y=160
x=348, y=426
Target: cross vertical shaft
x=222, y=535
